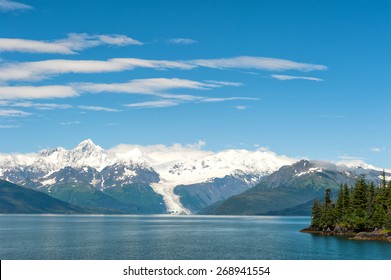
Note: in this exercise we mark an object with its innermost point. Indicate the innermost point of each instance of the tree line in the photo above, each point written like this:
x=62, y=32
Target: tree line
x=363, y=207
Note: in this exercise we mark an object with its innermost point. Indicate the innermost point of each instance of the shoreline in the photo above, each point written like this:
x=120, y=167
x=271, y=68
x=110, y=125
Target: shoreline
x=376, y=235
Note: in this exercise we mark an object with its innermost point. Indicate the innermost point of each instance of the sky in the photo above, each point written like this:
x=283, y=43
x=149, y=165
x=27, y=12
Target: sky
x=301, y=78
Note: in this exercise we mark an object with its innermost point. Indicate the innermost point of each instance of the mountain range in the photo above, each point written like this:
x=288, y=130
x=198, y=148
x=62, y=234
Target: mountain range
x=179, y=180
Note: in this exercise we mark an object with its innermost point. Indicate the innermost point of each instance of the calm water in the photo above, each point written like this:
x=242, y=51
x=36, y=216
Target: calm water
x=173, y=237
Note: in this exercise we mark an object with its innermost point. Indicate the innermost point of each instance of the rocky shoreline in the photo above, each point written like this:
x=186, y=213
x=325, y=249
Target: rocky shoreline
x=377, y=234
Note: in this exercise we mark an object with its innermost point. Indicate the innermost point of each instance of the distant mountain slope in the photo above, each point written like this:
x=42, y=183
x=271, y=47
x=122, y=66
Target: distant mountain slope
x=288, y=188
x=18, y=200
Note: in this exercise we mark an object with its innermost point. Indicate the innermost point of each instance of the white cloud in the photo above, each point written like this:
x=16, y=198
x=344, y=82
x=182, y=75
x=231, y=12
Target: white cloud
x=70, y=123
x=70, y=45
x=375, y=149
x=81, y=41
x=260, y=63
x=351, y=158
x=158, y=87
x=240, y=107
x=163, y=154
x=39, y=106
x=36, y=92
x=287, y=77
x=98, y=108
x=31, y=46
x=33, y=71
x=13, y=113
x=8, y=126
x=222, y=99
x=223, y=83
x=39, y=70
x=8, y=6
x=182, y=41
x=153, y=86
x=153, y=104
x=156, y=64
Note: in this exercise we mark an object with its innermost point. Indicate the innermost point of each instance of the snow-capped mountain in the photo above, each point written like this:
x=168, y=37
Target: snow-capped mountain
x=163, y=168
x=291, y=189
x=186, y=178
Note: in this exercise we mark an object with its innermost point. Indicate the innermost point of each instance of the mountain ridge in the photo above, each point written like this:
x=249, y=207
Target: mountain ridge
x=187, y=178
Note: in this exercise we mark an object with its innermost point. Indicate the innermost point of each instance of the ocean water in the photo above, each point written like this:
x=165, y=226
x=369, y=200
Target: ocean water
x=173, y=237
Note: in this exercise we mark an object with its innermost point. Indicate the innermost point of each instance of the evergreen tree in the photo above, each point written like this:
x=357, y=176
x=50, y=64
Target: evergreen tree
x=340, y=207
x=316, y=214
x=364, y=207
x=383, y=179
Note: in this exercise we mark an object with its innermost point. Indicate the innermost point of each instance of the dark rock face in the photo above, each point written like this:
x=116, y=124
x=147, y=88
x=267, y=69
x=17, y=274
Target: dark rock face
x=198, y=196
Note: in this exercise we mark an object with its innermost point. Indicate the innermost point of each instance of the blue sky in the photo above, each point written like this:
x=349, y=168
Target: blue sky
x=303, y=78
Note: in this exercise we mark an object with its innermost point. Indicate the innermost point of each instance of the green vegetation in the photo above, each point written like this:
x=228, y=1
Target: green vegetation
x=361, y=208
x=18, y=200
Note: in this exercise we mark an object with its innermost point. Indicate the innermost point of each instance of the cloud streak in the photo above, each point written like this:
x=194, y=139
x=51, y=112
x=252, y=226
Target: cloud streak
x=182, y=41
x=159, y=87
x=153, y=104
x=259, y=63
x=39, y=106
x=9, y=6
x=8, y=126
x=288, y=77
x=154, y=86
x=70, y=123
x=98, y=108
x=70, y=45
x=39, y=70
x=36, y=92
x=13, y=113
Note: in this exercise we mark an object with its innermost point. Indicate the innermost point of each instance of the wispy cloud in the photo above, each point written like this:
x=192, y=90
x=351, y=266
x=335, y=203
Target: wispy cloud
x=153, y=104
x=81, y=41
x=36, y=92
x=224, y=83
x=9, y=6
x=98, y=108
x=39, y=106
x=70, y=123
x=32, y=46
x=70, y=45
x=8, y=126
x=240, y=107
x=287, y=78
x=222, y=99
x=182, y=41
x=347, y=157
x=13, y=113
x=39, y=70
x=159, y=87
x=376, y=149
x=153, y=86
x=260, y=63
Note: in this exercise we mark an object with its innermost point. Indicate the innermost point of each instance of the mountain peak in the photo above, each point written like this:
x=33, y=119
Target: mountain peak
x=87, y=145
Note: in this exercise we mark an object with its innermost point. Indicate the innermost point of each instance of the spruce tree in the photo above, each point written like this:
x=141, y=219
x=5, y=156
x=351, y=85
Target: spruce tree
x=316, y=214
x=340, y=208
